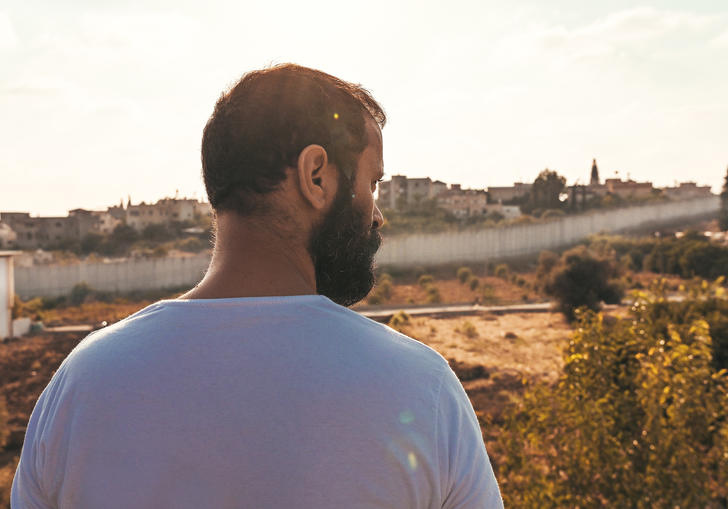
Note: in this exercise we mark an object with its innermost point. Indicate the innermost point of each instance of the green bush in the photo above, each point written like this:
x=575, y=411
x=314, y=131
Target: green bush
x=502, y=271
x=399, y=319
x=433, y=295
x=474, y=283
x=79, y=293
x=638, y=418
x=488, y=293
x=547, y=260
x=382, y=291
x=464, y=274
x=583, y=279
x=425, y=280
x=192, y=244
x=468, y=330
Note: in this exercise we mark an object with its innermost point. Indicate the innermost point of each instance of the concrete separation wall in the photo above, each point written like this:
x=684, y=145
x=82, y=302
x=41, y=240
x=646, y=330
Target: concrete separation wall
x=119, y=276
x=525, y=239
x=401, y=250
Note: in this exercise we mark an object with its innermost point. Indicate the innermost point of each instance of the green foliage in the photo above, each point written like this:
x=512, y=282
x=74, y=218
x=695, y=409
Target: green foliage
x=488, y=293
x=79, y=293
x=582, y=279
x=91, y=243
x=192, y=244
x=638, y=418
x=433, y=295
x=468, y=330
x=464, y=274
x=551, y=213
x=723, y=215
x=425, y=280
x=399, y=320
x=159, y=232
x=502, y=271
x=382, y=292
x=474, y=283
x=545, y=192
x=689, y=256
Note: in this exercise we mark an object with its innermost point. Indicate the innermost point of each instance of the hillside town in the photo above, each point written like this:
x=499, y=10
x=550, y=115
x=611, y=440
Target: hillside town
x=20, y=230
x=401, y=192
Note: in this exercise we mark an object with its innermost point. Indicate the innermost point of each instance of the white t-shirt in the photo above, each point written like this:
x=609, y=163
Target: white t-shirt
x=269, y=402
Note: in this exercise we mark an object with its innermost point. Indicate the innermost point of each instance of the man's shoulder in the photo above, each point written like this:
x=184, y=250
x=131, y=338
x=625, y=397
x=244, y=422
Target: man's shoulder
x=377, y=334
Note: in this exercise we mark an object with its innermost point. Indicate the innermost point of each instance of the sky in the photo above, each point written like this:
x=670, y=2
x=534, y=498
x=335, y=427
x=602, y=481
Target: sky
x=101, y=101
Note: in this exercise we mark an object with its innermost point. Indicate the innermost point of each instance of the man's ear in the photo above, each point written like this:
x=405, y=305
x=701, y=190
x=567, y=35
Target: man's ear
x=316, y=180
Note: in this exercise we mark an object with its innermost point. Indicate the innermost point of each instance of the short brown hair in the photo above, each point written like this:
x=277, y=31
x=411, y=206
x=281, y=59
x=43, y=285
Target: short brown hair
x=261, y=125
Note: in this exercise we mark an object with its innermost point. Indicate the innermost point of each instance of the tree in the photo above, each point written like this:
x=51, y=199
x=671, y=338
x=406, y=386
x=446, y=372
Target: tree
x=723, y=216
x=545, y=191
x=582, y=279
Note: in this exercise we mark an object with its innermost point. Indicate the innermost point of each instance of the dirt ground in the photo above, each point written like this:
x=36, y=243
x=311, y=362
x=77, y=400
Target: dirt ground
x=496, y=356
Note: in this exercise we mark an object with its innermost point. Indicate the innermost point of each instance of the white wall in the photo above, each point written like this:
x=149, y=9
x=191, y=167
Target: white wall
x=6, y=296
x=524, y=239
x=55, y=280
x=401, y=250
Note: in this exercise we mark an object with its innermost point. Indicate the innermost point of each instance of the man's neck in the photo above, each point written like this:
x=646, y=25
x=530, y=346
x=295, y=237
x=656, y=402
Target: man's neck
x=251, y=260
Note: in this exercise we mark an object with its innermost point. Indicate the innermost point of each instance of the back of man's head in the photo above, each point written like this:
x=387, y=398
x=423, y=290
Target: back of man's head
x=260, y=126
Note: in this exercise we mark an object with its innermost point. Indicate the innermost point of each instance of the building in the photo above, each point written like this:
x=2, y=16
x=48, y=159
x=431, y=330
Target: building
x=629, y=188
x=463, y=202
x=7, y=237
x=594, y=178
x=400, y=191
x=686, y=190
x=32, y=232
x=165, y=211
x=510, y=193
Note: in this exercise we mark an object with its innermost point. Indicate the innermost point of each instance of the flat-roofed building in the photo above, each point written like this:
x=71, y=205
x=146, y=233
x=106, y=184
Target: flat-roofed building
x=687, y=190
x=629, y=188
x=463, y=202
x=509, y=193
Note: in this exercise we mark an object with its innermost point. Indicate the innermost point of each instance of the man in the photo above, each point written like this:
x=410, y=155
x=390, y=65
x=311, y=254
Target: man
x=258, y=388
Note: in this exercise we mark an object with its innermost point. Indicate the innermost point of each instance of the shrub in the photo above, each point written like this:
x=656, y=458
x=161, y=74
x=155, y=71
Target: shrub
x=474, y=283
x=157, y=232
x=488, y=294
x=399, y=320
x=464, y=274
x=425, y=280
x=637, y=418
x=159, y=252
x=79, y=293
x=382, y=291
x=550, y=213
x=520, y=282
x=192, y=244
x=547, y=260
x=433, y=295
x=501, y=271
x=582, y=279
x=468, y=330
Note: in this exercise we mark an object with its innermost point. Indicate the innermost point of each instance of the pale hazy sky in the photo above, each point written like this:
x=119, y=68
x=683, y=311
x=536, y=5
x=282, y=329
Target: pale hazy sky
x=100, y=100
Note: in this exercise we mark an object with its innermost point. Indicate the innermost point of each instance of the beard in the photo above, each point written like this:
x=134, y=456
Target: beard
x=342, y=248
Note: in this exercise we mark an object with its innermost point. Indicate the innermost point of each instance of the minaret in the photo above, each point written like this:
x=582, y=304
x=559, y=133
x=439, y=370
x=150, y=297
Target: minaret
x=594, y=174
